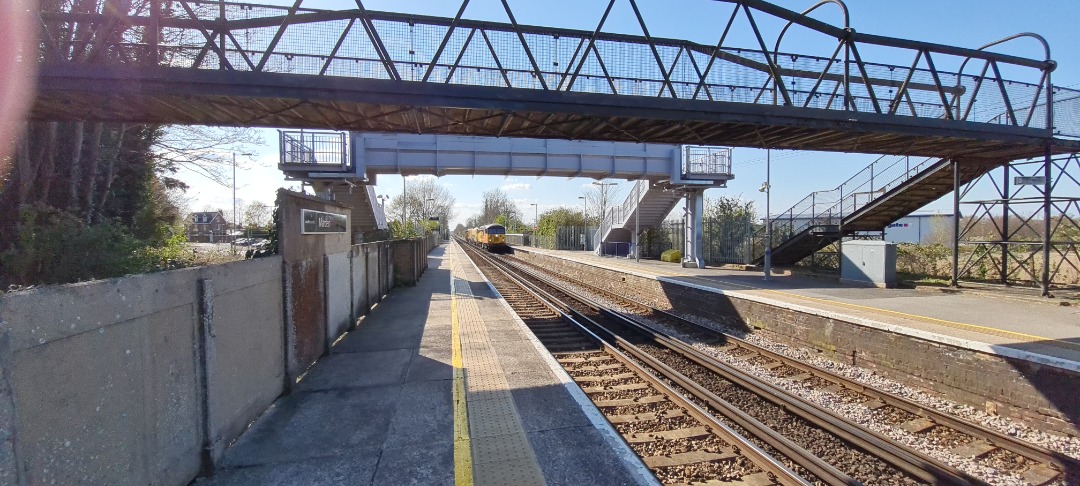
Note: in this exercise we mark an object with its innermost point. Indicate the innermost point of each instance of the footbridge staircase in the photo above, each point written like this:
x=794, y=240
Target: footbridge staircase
x=647, y=204
x=650, y=201
x=880, y=194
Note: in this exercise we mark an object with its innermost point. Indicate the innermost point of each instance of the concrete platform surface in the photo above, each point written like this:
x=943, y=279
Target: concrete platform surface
x=440, y=384
x=1017, y=327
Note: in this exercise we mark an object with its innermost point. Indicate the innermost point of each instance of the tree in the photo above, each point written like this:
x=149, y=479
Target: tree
x=424, y=198
x=603, y=197
x=552, y=219
x=497, y=203
x=257, y=215
x=207, y=151
x=729, y=207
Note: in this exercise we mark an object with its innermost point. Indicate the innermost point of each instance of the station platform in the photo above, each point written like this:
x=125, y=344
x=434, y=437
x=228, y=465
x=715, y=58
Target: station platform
x=440, y=384
x=1042, y=331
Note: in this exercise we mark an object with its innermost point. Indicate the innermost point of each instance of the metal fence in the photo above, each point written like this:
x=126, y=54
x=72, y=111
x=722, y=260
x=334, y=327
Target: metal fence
x=725, y=240
x=567, y=238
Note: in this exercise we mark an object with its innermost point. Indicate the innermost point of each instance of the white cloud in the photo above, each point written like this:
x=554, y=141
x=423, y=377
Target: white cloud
x=516, y=186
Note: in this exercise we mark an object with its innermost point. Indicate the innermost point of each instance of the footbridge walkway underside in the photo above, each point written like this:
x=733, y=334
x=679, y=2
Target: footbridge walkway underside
x=220, y=63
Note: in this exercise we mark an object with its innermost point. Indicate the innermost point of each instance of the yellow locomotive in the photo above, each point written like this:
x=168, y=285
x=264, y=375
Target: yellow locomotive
x=491, y=237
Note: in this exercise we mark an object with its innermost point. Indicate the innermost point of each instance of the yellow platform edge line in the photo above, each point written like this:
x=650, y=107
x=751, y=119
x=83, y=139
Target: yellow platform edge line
x=463, y=471
x=933, y=320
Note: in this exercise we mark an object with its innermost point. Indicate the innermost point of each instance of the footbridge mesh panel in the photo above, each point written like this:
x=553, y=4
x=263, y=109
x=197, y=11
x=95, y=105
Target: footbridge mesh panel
x=382, y=45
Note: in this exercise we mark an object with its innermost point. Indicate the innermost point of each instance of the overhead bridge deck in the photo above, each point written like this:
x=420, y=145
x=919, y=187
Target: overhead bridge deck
x=256, y=65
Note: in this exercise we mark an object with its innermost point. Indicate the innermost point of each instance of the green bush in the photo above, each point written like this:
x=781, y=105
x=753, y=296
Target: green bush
x=674, y=256
x=54, y=246
x=929, y=260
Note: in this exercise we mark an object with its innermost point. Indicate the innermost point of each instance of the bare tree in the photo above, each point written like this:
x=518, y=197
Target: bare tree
x=602, y=196
x=497, y=203
x=257, y=215
x=205, y=150
x=424, y=198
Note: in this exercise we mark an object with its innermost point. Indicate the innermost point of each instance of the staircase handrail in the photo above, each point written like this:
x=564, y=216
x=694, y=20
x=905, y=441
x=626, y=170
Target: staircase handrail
x=619, y=215
x=376, y=208
x=881, y=176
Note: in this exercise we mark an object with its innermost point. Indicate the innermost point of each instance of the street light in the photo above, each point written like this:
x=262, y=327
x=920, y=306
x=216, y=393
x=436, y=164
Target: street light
x=233, y=239
x=603, y=209
x=535, y=218
x=585, y=217
x=767, y=189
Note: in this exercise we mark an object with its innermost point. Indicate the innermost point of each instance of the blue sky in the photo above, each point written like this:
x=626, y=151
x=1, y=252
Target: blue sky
x=794, y=174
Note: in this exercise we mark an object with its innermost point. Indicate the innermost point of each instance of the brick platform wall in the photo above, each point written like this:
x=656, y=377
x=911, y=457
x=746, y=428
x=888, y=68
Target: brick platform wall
x=1040, y=395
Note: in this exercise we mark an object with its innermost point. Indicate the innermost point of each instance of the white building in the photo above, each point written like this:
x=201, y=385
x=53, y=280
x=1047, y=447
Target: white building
x=918, y=226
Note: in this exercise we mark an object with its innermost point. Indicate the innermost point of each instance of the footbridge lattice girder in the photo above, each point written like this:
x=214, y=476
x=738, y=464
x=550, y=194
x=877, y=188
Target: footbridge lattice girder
x=256, y=65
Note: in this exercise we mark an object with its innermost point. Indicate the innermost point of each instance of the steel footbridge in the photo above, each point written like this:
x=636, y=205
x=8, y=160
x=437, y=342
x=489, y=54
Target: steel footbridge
x=226, y=63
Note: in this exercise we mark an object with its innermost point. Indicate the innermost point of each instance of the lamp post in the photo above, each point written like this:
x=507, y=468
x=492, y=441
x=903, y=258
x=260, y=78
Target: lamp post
x=585, y=231
x=536, y=221
x=767, y=189
x=232, y=240
x=426, y=213
x=603, y=209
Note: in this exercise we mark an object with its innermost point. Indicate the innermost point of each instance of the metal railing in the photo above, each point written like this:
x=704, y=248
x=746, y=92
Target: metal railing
x=826, y=210
x=327, y=150
x=376, y=208
x=706, y=161
x=618, y=216
x=218, y=35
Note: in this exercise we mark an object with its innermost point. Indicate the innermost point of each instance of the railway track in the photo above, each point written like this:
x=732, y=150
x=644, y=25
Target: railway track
x=788, y=429
x=678, y=441
x=1036, y=465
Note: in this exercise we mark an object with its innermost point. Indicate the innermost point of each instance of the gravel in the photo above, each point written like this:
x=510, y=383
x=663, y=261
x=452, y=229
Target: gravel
x=730, y=469
x=997, y=468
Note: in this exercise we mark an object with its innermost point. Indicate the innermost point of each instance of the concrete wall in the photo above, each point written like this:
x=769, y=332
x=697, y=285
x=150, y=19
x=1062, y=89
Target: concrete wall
x=1044, y=396
x=410, y=258
x=130, y=380
x=146, y=379
x=339, y=295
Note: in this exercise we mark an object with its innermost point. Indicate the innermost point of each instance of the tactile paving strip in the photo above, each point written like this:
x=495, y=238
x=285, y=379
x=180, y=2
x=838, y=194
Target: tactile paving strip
x=501, y=453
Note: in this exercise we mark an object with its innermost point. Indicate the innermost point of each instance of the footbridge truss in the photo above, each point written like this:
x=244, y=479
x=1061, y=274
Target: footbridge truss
x=225, y=63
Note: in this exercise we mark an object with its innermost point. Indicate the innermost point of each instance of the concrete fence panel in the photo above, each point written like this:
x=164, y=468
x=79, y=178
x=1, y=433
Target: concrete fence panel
x=405, y=262
x=386, y=272
x=374, y=273
x=244, y=346
x=104, y=380
x=305, y=316
x=359, y=278
x=338, y=295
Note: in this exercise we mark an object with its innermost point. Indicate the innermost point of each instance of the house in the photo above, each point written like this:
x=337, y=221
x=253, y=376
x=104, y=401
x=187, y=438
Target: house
x=208, y=227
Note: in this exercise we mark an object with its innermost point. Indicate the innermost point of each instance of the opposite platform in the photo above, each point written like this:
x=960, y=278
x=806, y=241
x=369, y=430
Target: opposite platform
x=1013, y=327
x=440, y=384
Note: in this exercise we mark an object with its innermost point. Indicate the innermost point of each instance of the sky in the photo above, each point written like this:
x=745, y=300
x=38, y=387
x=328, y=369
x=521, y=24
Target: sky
x=794, y=174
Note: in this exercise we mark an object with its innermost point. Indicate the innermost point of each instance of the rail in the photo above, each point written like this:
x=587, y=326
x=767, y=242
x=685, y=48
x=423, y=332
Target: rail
x=879, y=446
x=1056, y=462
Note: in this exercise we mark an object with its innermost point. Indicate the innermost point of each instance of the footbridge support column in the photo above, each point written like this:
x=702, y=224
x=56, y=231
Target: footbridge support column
x=695, y=207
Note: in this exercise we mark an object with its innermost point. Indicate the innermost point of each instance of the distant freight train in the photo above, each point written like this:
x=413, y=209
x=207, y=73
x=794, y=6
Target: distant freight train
x=490, y=237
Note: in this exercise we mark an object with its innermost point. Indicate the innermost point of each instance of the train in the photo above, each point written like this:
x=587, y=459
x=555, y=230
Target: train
x=491, y=237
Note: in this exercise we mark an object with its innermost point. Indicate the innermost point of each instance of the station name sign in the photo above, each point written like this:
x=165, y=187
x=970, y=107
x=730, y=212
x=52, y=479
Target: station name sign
x=1029, y=180
x=319, y=222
